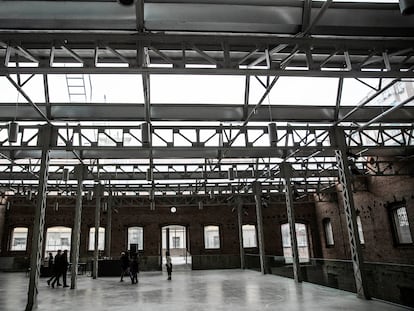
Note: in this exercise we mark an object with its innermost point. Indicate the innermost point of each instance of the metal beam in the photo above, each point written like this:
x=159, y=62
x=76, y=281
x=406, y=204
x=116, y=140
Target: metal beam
x=345, y=179
x=286, y=172
x=259, y=218
x=239, y=203
x=79, y=171
x=39, y=221
x=98, y=197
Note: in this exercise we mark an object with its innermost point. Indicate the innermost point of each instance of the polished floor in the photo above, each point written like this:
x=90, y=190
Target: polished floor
x=193, y=290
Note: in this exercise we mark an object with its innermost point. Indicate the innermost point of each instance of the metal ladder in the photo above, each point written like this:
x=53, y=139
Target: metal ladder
x=76, y=88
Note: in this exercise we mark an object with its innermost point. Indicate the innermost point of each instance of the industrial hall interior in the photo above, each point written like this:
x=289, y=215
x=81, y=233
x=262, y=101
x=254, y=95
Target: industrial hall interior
x=207, y=155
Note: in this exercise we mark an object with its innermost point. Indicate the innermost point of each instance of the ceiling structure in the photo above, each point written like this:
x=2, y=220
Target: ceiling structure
x=201, y=148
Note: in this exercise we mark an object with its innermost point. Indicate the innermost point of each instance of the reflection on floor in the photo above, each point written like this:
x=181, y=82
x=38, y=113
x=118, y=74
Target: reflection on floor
x=192, y=290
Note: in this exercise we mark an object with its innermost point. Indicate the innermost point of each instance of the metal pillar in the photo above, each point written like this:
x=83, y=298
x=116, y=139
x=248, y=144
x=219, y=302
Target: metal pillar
x=79, y=172
x=98, y=196
x=240, y=222
x=167, y=239
x=286, y=173
x=348, y=201
x=108, y=230
x=258, y=198
x=39, y=220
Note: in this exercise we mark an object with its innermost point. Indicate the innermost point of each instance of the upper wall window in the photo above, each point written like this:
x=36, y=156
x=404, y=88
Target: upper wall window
x=327, y=226
x=360, y=231
x=211, y=237
x=19, y=239
x=101, y=239
x=302, y=239
x=136, y=238
x=249, y=236
x=401, y=225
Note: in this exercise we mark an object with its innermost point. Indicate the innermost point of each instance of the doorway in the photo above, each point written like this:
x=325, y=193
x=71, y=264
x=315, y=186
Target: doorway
x=174, y=239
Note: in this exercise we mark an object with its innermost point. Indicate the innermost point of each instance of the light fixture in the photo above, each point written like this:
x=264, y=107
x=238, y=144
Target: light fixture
x=65, y=174
x=56, y=206
x=200, y=205
x=89, y=195
x=407, y=7
x=152, y=206
x=173, y=209
x=149, y=175
x=13, y=131
x=8, y=204
x=145, y=134
x=230, y=173
x=272, y=132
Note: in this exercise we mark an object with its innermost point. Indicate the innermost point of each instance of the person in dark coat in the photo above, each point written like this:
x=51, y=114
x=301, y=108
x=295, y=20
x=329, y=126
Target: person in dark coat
x=134, y=269
x=57, y=271
x=168, y=265
x=65, y=264
x=124, y=265
x=50, y=264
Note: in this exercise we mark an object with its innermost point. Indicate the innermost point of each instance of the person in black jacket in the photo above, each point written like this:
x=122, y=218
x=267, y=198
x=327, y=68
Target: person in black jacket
x=134, y=269
x=64, y=266
x=57, y=271
x=124, y=265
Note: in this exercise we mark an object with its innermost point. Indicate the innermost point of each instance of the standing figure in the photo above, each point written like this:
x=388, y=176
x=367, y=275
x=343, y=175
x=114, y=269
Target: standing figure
x=134, y=269
x=50, y=264
x=64, y=266
x=57, y=270
x=124, y=265
x=168, y=265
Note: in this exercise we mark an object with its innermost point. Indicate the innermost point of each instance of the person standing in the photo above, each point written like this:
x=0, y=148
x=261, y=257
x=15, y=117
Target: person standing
x=65, y=264
x=168, y=265
x=57, y=270
x=124, y=265
x=50, y=264
x=134, y=270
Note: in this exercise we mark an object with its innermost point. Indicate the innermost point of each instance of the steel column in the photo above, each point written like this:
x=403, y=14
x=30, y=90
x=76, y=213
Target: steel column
x=79, y=172
x=345, y=179
x=286, y=173
x=258, y=198
x=98, y=196
x=39, y=220
x=240, y=223
x=167, y=239
x=108, y=230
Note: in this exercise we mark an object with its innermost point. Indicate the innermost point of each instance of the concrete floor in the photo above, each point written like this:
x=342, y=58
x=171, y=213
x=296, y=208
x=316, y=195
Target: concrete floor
x=193, y=290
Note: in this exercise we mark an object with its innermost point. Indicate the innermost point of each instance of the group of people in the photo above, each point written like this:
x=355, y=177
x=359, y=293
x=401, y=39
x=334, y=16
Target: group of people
x=58, y=267
x=131, y=267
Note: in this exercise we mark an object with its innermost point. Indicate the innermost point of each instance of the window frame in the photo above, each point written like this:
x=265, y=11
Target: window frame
x=325, y=222
x=392, y=209
x=140, y=247
x=360, y=230
x=255, y=235
x=12, y=239
x=308, y=242
x=219, y=238
x=92, y=249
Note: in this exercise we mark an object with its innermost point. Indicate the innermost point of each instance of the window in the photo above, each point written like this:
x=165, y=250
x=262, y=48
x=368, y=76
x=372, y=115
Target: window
x=302, y=239
x=249, y=236
x=360, y=232
x=136, y=236
x=211, y=237
x=176, y=242
x=327, y=225
x=57, y=238
x=19, y=239
x=101, y=239
x=401, y=225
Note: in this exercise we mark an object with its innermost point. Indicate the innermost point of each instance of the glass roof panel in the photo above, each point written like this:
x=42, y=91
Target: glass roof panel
x=296, y=91
x=184, y=89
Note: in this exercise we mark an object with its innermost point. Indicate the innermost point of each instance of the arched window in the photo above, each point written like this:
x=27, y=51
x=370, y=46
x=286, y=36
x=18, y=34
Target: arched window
x=302, y=238
x=327, y=226
x=136, y=237
x=101, y=240
x=57, y=238
x=249, y=236
x=360, y=231
x=19, y=239
x=211, y=237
